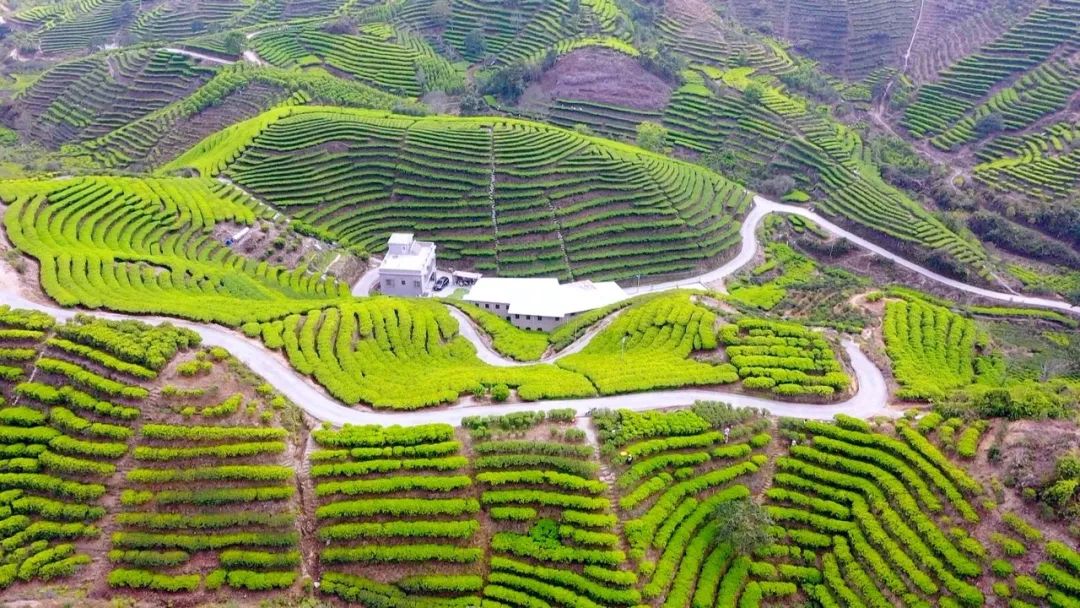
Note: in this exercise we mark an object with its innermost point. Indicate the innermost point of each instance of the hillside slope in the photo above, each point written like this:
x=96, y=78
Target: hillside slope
x=514, y=197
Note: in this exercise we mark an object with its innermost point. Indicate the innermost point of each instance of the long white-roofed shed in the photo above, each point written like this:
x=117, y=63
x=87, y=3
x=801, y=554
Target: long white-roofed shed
x=541, y=303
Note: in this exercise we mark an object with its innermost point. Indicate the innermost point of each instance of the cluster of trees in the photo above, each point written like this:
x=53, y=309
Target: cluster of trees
x=1021, y=239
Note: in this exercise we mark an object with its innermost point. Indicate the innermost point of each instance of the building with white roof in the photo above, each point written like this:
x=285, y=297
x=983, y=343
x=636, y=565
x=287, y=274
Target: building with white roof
x=541, y=304
x=408, y=269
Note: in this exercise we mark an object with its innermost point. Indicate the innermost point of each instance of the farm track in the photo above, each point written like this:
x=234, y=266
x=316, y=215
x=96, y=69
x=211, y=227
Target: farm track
x=201, y=56
x=871, y=398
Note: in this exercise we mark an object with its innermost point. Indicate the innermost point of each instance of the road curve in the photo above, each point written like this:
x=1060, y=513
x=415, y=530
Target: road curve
x=749, y=247
x=870, y=399
x=471, y=332
x=771, y=206
x=747, y=250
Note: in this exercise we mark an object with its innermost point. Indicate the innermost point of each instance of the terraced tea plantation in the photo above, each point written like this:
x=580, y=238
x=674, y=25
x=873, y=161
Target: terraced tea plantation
x=197, y=496
x=513, y=198
x=87, y=98
x=192, y=464
x=379, y=55
x=784, y=358
x=397, y=496
x=1036, y=48
x=673, y=472
x=932, y=348
x=859, y=217
x=96, y=250
x=105, y=241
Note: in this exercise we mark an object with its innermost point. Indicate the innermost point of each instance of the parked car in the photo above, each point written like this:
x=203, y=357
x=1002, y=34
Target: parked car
x=441, y=283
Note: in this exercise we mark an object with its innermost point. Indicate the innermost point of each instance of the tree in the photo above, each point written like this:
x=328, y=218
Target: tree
x=474, y=43
x=754, y=92
x=777, y=185
x=343, y=25
x=584, y=129
x=234, y=43
x=472, y=104
x=440, y=12
x=652, y=137
x=745, y=524
x=990, y=124
x=500, y=393
x=507, y=84
x=721, y=161
x=124, y=11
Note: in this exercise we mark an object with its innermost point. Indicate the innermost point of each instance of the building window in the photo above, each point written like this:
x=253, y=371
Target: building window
x=517, y=316
x=416, y=283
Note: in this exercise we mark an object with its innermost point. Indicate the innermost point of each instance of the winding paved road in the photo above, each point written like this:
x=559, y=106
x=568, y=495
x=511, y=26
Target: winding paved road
x=197, y=55
x=472, y=333
x=749, y=247
x=871, y=398
x=1035, y=301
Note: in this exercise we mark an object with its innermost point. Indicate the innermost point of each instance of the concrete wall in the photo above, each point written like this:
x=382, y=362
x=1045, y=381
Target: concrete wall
x=536, y=322
x=401, y=284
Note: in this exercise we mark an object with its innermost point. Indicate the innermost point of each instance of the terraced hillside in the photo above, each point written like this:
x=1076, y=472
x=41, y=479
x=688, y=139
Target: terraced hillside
x=515, y=198
x=181, y=454
x=89, y=97
x=168, y=259
x=648, y=346
x=111, y=482
x=673, y=471
x=397, y=516
x=850, y=39
x=696, y=30
x=1043, y=165
x=235, y=93
x=111, y=242
x=522, y=30
x=932, y=348
x=869, y=506
x=951, y=29
x=1023, y=75
x=377, y=54
x=210, y=504
x=555, y=534
x=780, y=135
x=72, y=26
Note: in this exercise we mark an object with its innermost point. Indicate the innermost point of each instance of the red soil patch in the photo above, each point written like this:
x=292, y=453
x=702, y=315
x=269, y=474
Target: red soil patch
x=602, y=76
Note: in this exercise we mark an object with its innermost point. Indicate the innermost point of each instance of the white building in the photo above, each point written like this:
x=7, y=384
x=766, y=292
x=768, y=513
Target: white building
x=408, y=268
x=541, y=304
